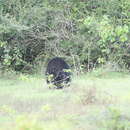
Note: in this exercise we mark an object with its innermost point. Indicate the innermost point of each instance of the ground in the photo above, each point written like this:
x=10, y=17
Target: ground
x=94, y=101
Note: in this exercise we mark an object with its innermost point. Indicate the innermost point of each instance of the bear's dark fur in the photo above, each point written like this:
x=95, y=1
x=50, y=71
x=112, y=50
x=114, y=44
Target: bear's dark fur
x=60, y=72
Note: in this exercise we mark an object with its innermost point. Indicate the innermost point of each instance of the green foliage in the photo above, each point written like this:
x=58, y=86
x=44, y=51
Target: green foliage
x=50, y=77
x=7, y=109
x=46, y=108
x=115, y=122
x=67, y=70
x=87, y=33
x=24, y=77
x=27, y=104
x=24, y=122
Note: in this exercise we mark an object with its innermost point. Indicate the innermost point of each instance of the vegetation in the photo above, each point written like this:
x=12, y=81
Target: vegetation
x=86, y=33
x=26, y=103
x=92, y=36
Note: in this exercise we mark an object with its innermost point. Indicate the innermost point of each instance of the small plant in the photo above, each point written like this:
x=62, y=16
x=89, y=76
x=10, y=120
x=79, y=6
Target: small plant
x=88, y=96
x=50, y=77
x=7, y=110
x=67, y=70
x=116, y=121
x=46, y=108
x=24, y=77
x=25, y=122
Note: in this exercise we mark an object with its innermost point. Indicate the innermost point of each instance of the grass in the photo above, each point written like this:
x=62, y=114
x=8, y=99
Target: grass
x=95, y=101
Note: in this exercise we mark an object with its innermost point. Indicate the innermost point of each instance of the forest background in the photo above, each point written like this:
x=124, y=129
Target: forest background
x=87, y=34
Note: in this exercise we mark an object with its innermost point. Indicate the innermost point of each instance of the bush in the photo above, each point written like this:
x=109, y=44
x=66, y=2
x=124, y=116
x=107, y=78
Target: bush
x=87, y=33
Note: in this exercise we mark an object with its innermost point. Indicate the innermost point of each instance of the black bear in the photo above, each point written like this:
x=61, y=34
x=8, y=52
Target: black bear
x=58, y=72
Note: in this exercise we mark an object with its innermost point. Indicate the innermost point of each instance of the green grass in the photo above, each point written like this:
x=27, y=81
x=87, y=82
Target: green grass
x=95, y=101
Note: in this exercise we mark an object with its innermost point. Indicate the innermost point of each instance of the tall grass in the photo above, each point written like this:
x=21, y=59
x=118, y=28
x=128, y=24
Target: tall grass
x=96, y=101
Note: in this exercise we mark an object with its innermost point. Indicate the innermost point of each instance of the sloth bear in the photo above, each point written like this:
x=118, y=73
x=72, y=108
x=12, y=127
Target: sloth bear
x=58, y=73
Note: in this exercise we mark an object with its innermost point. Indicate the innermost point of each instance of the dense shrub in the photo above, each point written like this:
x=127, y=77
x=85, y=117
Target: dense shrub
x=86, y=33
